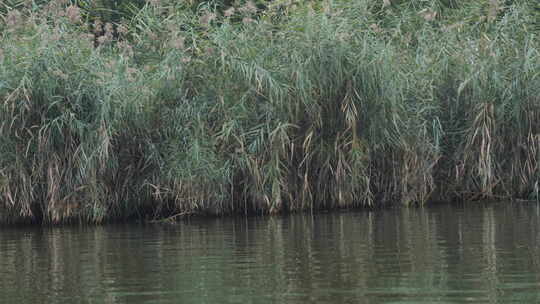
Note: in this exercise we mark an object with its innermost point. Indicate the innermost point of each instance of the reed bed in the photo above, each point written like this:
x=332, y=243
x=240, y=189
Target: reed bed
x=231, y=108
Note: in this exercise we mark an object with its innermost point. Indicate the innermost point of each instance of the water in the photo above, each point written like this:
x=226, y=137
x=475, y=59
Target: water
x=476, y=254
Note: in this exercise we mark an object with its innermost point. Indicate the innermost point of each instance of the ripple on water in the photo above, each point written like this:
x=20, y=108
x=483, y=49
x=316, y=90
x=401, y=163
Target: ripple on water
x=425, y=255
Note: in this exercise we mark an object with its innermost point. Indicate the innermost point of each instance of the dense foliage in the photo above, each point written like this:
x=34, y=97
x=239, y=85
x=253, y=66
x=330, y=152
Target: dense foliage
x=117, y=109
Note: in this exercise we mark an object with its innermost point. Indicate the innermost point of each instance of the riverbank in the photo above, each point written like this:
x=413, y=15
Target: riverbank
x=265, y=109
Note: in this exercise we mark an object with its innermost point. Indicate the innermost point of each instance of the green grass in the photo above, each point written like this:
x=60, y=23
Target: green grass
x=332, y=104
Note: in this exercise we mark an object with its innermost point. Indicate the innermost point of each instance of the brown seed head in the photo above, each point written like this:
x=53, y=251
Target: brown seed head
x=98, y=26
x=207, y=18
x=73, y=13
x=13, y=19
x=428, y=14
x=375, y=27
x=178, y=42
x=250, y=7
x=109, y=28
x=102, y=39
x=229, y=12
x=122, y=29
x=54, y=8
x=126, y=48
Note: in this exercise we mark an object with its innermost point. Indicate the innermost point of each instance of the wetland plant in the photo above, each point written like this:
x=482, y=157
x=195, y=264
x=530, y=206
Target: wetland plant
x=221, y=108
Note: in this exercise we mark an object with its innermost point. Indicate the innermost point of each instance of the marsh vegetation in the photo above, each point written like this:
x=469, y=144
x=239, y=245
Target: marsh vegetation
x=160, y=108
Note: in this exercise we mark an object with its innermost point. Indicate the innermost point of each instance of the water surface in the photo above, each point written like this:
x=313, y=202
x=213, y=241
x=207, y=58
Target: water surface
x=444, y=254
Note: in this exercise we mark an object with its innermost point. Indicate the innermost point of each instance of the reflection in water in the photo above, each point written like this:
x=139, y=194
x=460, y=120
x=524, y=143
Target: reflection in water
x=480, y=254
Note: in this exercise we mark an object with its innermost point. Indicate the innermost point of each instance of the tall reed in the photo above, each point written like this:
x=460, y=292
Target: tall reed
x=186, y=109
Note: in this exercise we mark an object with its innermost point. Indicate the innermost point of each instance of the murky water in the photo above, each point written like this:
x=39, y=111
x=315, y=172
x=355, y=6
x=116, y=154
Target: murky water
x=475, y=254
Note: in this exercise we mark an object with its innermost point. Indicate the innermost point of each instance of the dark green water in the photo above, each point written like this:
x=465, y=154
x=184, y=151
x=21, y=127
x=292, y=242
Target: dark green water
x=480, y=254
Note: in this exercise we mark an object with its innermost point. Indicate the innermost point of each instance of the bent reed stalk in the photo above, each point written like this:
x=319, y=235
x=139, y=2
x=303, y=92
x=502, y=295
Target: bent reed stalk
x=183, y=110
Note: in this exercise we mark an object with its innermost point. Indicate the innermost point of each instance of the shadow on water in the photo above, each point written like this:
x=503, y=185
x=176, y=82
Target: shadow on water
x=443, y=254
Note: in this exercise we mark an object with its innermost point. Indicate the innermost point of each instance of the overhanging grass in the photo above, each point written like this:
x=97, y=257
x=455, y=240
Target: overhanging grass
x=314, y=107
